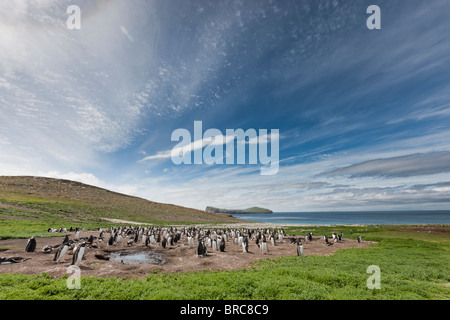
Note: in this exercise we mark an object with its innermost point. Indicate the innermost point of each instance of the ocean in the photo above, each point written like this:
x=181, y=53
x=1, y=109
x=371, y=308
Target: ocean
x=353, y=217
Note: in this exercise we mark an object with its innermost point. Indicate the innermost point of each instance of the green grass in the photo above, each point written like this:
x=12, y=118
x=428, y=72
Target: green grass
x=411, y=269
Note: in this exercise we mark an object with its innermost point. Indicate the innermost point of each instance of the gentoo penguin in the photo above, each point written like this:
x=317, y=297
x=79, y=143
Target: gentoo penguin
x=201, y=248
x=272, y=240
x=147, y=241
x=111, y=241
x=78, y=254
x=66, y=239
x=299, y=248
x=222, y=245
x=31, y=245
x=144, y=239
x=61, y=252
x=263, y=245
x=164, y=243
x=91, y=239
x=77, y=234
x=245, y=244
x=359, y=239
x=4, y=260
x=47, y=249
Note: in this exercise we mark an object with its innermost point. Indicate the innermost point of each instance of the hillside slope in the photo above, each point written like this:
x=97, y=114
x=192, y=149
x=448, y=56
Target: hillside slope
x=78, y=201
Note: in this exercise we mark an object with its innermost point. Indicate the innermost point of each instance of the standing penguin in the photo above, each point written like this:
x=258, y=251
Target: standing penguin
x=263, y=245
x=359, y=239
x=272, y=240
x=201, y=248
x=77, y=234
x=66, y=239
x=222, y=245
x=299, y=248
x=164, y=243
x=31, y=245
x=61, y=252
x=245, y=244
x=78, y=254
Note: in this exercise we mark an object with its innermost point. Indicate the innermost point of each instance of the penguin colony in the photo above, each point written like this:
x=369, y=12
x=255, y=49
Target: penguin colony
x=199, y=239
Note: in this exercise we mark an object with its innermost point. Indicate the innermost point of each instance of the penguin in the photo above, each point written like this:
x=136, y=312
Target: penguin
x=272, y=240
x=359, y=239
x=310, y=236
x=144, y=238
x=31, y=245
x=245, y=245
x=222, y=245
x=111, y=241
x=299, y=248
x=264, y=248
x=78, y=254
x=147, y=241
x=66, y=239
x=214, y=245
x=164, y=243
x=91, y=239
x=325, y=238
x=4, y=260
x=201, y=248
x=130, y=243
x=47, y=249
x=77, y=234
x=61, y=252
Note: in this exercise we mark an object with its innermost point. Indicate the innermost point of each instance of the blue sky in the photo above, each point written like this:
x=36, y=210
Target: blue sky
x=363, y=115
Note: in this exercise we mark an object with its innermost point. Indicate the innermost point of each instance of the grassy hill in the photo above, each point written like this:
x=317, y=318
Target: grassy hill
x=37, y=202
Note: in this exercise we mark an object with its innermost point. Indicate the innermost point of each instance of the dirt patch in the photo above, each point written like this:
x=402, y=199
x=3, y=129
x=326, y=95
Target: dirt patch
x=178, y=258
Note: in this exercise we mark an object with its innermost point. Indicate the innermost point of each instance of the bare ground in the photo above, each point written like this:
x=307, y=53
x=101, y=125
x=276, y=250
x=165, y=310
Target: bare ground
x=180, y=258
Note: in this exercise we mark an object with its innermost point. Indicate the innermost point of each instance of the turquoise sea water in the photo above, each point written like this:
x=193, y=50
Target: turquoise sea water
x=361, y=217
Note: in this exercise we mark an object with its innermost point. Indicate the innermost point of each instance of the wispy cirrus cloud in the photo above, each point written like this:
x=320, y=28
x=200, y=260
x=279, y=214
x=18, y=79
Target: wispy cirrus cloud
x=402, y=166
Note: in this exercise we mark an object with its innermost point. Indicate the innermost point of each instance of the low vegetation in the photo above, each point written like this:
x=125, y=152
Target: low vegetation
x=413, y=261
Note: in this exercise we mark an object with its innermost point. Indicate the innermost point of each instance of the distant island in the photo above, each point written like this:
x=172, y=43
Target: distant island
x=252, y=210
